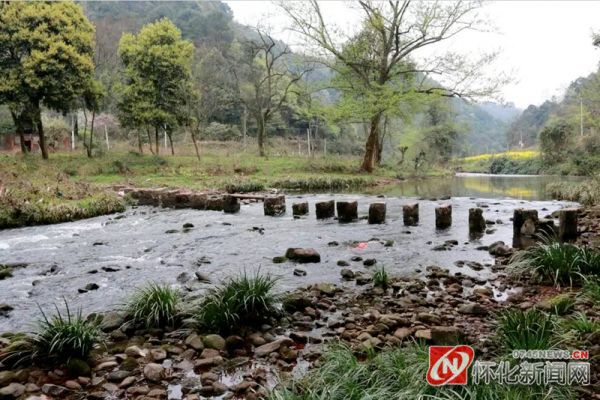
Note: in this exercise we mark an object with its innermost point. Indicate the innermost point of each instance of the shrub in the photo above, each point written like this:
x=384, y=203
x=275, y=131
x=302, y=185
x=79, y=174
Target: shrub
x=381, y=278
x=153, y=306
x=58, y=338
x=243, y=300
x=553, y=261
x=527, y=330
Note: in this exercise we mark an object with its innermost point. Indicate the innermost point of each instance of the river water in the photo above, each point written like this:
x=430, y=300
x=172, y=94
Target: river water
x=122, y=252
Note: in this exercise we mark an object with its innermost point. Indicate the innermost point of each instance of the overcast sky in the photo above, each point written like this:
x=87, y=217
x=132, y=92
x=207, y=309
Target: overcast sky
x=544, y=44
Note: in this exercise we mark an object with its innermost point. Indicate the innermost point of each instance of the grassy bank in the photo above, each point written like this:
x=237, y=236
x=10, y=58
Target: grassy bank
x=33, y=193
x=587, y=193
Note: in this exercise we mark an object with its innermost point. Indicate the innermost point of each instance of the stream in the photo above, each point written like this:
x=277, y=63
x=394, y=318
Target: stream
x=122, y=252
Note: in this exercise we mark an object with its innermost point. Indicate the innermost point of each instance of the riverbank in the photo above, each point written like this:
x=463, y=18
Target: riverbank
x=71, y=186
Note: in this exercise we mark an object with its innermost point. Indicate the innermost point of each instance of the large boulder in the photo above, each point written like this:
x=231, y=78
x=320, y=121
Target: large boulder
x=301, y=255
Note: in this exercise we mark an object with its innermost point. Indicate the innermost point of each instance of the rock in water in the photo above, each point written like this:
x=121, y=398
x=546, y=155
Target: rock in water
x=300, y=208
x=377, y=213
x=411, y=214
x=325, y=209
x=520, y=218
x=347, y=211
x=303, y=255
x=443, y=216
x=231, y=204
x=274, y=205
x=477, y=223
x=567, y=229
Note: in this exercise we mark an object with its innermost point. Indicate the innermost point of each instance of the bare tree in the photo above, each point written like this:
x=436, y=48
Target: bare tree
x=378, y=64
x=265, y=80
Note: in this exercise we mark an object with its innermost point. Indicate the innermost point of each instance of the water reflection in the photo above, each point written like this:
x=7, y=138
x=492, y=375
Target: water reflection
x=526, y=187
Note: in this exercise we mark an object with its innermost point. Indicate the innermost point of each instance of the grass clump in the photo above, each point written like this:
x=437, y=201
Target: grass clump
x=591, y=290
x=582, y=325
x=242, y=300
x=556, y=262
x=381, y=278
x=560, y=304
x=153, y=306
x=395, y=373
x=59, y=338
x=528, y=330
x=323, y=183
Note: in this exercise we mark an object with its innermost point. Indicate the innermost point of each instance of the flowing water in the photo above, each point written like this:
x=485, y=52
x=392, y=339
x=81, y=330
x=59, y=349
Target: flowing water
x=120, y=253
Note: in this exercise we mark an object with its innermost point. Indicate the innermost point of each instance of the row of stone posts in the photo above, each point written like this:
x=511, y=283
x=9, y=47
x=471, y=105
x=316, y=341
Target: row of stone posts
x=525, y=222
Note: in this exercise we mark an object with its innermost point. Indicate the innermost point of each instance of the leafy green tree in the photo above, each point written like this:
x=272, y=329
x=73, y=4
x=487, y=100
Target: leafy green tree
x=379, y=60
x=157, y=69
x=554, y=141
x=46, y=51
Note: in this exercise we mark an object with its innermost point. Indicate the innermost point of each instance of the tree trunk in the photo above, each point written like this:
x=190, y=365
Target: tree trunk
x=372, y=145
x=193, y=132
x=149, y=140
x=156, y=140
x=261, y=128
x=91, y=144
x=244, y=119
x=140, y=146
x=40, y=130
x=171, y=142
x=85, y=124
x=380, y=144
x=18, y=121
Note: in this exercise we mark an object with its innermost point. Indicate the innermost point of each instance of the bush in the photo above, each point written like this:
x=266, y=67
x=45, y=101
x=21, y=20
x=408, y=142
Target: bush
x=587, y=192
x=526, y=330
x=58, y=339
x=560, y=263
x=153, y=306
x=241, y=300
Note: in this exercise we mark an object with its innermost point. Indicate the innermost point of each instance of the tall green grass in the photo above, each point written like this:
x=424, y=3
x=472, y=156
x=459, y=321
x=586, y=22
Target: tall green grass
x=381, y=278
x=527, y=330
x=394, y=374
x=153, y=306
x=240, y=301
x=58, y=338
x=556, y=262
